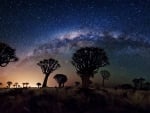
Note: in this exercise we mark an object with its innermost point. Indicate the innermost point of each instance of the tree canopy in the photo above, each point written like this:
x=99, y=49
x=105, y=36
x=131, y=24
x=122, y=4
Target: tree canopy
x=87, y=61
x=7, y=54
x=61, y=79
x=48, y=66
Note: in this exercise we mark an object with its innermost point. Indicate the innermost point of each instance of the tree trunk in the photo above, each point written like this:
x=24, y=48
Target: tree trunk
x=45, y=80
x=103, y=82
x=85, y=82
x=59, y=85
x=141, y=85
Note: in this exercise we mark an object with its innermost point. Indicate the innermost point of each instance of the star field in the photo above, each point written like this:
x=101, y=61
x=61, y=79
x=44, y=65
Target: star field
x=28, y=24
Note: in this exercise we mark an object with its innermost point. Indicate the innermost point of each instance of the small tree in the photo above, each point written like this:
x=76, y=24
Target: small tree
x=61, y=79
x=141, y=81
x=87, y=61
x=105, y=76
x=38, y=84
x=9, y=83
x=23, y=84
x=19, y=86
x=26, y=84
x=48, y=66
x=136, y=83
x=16, y=84
x=7, y=54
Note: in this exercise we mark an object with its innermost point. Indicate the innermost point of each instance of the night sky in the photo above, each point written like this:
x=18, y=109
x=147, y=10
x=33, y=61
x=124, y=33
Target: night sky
x=40, y=29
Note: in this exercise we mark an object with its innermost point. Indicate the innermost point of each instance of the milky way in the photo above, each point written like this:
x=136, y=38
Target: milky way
x=128, y=57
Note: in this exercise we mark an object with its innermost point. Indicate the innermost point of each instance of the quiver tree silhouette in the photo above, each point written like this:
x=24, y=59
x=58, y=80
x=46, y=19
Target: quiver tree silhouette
x=23, y=84
x=7, y=54
x=38, y=84
x=141, y=81
x=15, y=84
x=26, y=84
x=48, y=66
x=105, y=76
x=87, y=61
x=9, y=83
x=19, y=86
x=136, y=83
x=61, y=79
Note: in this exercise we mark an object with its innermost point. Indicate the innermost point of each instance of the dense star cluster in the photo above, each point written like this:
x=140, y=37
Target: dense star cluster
x=42, y=28
x=28, y=21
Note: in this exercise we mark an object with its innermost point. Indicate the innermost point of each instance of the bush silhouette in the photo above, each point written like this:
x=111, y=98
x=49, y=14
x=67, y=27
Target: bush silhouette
x=61, y=79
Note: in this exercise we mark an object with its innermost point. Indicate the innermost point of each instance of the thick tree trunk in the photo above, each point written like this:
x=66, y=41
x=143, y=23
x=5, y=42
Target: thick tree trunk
x=103, y=82
x=59, y=85
x=85, y=82
x=45, y=80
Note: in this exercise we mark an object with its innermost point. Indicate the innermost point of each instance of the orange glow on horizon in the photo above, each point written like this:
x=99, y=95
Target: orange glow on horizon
x=32, y=75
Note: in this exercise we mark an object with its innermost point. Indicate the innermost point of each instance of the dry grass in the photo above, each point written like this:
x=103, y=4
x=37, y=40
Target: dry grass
x=73, y=100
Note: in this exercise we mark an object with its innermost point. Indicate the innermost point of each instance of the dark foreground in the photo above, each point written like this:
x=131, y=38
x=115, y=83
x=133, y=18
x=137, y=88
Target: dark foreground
x=73, y=100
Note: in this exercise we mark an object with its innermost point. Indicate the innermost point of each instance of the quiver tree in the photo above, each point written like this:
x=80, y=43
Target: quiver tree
x=19, y=86
x=38, y=84
x=87, y=61
x=26, y=84
x=7, y=54
x=48, y=66
x=9, y=83
x=141, y=81
x=23, y=84
x=61, y=79
x=105, y=76
x=136, y=83
x=15, y=84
